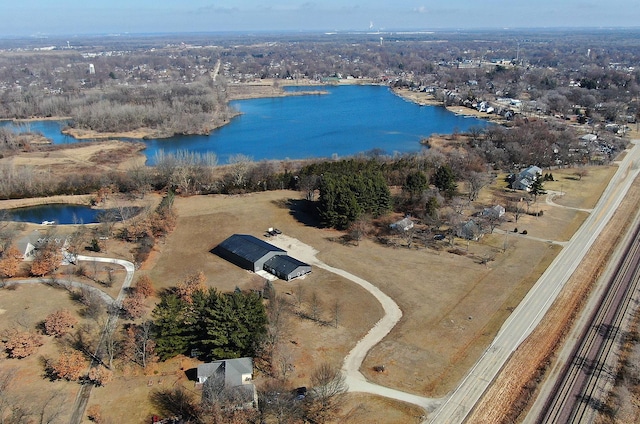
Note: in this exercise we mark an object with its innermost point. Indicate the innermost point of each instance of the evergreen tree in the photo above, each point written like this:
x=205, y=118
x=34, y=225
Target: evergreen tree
x=415, y=183
x=171, y=333
x=537, y=187
x=345, y=197
x=217, y=325
x=431, y=207
x=444, y=179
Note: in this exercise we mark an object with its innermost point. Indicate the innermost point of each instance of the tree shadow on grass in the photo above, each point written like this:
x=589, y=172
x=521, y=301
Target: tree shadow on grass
x=176, y=401
x=302, y=210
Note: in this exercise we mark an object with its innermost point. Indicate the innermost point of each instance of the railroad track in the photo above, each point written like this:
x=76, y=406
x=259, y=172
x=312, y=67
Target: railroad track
x=573, y=396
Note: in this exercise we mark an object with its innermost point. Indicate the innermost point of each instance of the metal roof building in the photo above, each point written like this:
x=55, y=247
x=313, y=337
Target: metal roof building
x=286, y=267
x=247, y=251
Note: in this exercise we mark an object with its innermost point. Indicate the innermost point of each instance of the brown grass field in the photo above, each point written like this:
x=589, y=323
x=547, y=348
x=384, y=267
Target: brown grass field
x=24, y=307
x=453, y=304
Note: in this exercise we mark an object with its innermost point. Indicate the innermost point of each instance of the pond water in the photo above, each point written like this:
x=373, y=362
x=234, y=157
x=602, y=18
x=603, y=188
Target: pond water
x=347, y=121
x=56, y=213
x=60, y=213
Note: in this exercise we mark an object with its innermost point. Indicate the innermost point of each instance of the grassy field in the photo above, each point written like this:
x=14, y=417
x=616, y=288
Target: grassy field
x=453, y=303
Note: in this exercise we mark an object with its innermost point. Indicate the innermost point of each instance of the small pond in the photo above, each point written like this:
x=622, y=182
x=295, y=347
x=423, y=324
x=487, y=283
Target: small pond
x=63, y=214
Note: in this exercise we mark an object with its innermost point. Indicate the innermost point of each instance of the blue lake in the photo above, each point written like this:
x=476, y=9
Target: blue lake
x=58, y=213
x=50, y=129
x=347, y=121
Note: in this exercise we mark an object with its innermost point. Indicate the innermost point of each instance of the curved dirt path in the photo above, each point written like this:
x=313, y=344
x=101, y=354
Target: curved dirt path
x=128, y=266
x=552, y=194
x=66, y=285
x=353, y=361
x=82, y=398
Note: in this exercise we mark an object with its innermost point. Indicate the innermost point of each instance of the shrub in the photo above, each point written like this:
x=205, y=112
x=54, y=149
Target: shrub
x=22, y=344
x=59, y=323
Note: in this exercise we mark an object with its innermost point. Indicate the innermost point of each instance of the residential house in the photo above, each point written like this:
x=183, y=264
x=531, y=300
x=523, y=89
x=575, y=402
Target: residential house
x=234, y=376
x=404, y=224
x=469, y=231
x=588, y=138
x=496, y=211
x=524, y=180
x=29, y=245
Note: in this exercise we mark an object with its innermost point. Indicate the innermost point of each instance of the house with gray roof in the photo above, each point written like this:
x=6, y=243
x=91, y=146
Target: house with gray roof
x=231, y=379
x=524, y=180
x=29, y=245
x=496, y=211
x=405, y=224
x=286, y=267
x=469, y=230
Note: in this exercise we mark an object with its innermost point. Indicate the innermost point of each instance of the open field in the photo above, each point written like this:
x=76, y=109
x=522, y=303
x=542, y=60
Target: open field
x=81, y=157
x=448, y=318
x=420, y=355
x=24, y=308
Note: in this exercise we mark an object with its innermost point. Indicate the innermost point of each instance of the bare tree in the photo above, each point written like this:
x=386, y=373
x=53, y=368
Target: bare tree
x=315, y=309
x=299, y=294
x=492, y=220
x=138, y=345
x=476, y=181
x=516, y=208
x=581, y=172
x=327, y=392
x=279, y=403
x=284, y=361
x=111, y=345
x=239, y=165
x=408, y=236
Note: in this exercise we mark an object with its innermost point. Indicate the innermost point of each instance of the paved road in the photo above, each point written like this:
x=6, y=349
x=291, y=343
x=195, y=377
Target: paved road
x=128, y=266
x=539, y=299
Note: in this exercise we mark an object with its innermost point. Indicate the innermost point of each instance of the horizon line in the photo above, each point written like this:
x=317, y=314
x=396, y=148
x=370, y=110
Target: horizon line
x=391, y=31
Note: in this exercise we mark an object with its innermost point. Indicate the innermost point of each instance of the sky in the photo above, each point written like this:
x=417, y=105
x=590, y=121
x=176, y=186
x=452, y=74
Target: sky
x=69, y=17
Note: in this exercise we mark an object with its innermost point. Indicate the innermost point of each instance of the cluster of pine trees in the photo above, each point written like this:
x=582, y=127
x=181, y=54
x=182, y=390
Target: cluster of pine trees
x=349, y=189
x=213, y=324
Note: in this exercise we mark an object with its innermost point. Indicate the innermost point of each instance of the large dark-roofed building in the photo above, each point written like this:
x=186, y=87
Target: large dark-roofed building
x=286, y=267
x=251, y=253
x=247, y=251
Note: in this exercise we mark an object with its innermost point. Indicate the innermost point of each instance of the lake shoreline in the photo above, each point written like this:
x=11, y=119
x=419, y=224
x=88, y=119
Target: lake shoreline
x=278, y=130
x=426, y=99
x=254, y=90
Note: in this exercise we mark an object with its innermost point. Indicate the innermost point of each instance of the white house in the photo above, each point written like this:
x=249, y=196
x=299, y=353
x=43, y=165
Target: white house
x=496, y=211
x=404, y=224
